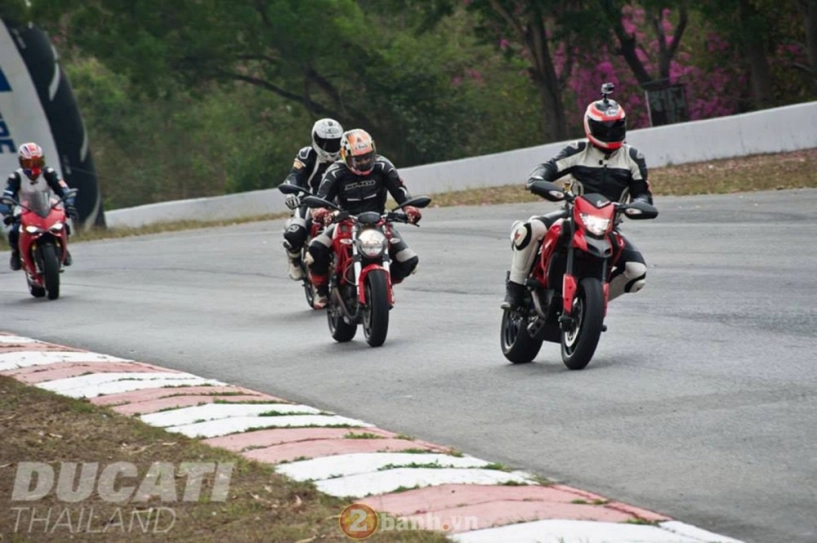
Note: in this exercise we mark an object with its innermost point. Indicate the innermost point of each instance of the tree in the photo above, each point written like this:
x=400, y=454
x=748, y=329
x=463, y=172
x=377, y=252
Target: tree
x=320, y=54
x=618, y=14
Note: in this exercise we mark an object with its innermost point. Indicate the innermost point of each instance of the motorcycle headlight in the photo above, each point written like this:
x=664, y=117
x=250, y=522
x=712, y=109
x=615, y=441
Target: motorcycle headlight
x=595, y=225
x=33, y=229
x=371, y=243
x=56, y=227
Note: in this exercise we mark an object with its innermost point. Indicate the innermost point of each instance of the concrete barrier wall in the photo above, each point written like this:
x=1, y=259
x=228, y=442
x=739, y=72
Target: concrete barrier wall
x=770, y=131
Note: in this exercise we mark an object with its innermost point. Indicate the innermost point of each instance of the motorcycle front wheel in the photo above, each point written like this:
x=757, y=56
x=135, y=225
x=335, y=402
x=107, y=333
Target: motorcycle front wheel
x=51, y=270
x=580, y=342
x=376, y=312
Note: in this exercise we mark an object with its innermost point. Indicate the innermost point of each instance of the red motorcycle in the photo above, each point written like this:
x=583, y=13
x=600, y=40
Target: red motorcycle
x=569, y=283
x=43, y=240
x=360, y=285
x=314, y=231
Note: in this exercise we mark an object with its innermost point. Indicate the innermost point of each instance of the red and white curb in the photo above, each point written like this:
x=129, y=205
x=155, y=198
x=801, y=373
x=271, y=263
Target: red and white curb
x=409, y=479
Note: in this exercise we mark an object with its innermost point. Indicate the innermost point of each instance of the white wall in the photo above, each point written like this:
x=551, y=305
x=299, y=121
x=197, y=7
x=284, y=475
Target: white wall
x=770, y=131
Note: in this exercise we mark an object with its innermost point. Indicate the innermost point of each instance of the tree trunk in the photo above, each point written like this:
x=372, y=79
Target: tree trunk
x=547, y=82
x=754, y=45
x=810, y=23
x=555, y=125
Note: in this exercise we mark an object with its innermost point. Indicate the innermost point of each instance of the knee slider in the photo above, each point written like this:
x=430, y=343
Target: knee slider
x=296, y=234
x=521, y=234
x=636, y=274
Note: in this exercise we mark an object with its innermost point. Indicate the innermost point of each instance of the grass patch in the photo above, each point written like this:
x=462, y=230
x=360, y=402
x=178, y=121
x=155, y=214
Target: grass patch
x=363, y=435
x=743, y=174
x=261, y=505
x=95, y=234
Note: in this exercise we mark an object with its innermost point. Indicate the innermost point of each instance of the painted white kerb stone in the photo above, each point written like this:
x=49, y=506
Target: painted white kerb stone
x=382, y=482
x=215, y=411
x=578, y=531
x=223, y=427
x=691, y=531
x=100, y=384
x=25, y=359
x=355, y=463
x=17, y=340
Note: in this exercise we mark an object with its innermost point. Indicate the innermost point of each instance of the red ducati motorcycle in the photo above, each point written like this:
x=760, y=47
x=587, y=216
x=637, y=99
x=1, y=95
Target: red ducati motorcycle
x=360, y=285
x=314, y=231
x=43, y=240
x=569, y=283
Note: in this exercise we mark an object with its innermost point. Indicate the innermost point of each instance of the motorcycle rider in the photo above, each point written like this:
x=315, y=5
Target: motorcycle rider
x=39, y=178
x=307, y=171
x=604, y=164
x=359, y=182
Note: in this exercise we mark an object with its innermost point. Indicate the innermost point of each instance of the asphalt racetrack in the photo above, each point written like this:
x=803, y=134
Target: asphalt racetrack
x=701, y=402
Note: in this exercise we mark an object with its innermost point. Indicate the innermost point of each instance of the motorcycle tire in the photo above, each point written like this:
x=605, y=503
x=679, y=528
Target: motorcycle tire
x=517, y=345
x=37, y=292
x=51, y=270
x=341, y=330
x=376, y=312
x=579, y=344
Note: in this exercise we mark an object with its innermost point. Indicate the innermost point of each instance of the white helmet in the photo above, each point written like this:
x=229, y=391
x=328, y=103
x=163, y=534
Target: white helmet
x=326, y=134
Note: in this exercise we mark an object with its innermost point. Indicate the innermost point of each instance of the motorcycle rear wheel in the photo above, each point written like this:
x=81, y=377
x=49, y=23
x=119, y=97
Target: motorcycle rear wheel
x=341, y=330
x=376, y=312
x=37, y=292
x=517, y=345
x=579, y=344
x=308, y=292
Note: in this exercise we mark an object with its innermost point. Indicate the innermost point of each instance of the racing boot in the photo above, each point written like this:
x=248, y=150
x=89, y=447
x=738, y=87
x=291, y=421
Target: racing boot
x=68, y=259
x=320, y=288
x=514, y=296
x=14, y=261
x=294, y=266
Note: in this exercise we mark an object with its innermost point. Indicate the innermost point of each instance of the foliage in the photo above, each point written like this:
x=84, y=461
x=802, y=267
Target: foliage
x=189, y=99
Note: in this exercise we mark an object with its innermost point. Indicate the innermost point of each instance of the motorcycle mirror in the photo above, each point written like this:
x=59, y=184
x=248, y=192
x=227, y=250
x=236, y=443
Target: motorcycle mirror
x=640, y=210
x=417, y=201
x=314, y=201
x=547, y=190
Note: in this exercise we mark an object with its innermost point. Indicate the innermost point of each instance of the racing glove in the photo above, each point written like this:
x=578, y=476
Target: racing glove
x=292, y=201
x=413, y=214
x=8, y=219
x=322, y=215
x=71, y=210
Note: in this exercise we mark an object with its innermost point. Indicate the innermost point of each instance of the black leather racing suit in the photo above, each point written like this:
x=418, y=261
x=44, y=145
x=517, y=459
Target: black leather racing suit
x=618, y=175
x=307, y=172
x=356, y=194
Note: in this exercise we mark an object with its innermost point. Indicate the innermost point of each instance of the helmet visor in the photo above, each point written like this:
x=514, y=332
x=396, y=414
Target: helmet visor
x=330, y=145
x=33, y=163
x=609, y=131
x=361, y=163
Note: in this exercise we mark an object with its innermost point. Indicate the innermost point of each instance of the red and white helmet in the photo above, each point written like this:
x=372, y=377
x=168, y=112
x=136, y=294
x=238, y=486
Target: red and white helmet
x=605, y=123
x=358, y=151
x=32, y=160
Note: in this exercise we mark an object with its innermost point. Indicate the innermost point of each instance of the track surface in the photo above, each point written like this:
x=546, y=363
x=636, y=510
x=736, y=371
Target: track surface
x=701, y=402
